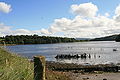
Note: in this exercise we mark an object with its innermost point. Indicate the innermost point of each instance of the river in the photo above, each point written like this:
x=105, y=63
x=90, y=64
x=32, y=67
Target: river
x=101, y=51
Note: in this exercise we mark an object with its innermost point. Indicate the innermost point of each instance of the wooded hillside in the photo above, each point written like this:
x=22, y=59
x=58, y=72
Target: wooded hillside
x=35, y=39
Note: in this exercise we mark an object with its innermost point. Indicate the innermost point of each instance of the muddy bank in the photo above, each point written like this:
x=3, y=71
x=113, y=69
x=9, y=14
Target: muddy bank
x=94, y=72
x=94, y=76
x=67, y=67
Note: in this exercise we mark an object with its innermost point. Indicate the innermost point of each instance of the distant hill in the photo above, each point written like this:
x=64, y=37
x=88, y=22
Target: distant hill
x=82, y=38
x=118, y=38
x=106, y=38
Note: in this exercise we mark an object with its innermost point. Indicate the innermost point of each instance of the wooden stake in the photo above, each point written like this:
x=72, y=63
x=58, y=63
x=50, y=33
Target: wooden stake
x=39, y=68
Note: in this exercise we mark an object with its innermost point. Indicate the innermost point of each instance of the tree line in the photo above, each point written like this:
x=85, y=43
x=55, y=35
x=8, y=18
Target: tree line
x=118, y=38
x=115, y=37
x=34, y=39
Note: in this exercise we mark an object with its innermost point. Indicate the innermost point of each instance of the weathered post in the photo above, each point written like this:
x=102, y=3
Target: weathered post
x=39, y=68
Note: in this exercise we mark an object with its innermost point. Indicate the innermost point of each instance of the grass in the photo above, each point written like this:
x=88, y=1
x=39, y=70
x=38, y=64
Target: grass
x=14, y=67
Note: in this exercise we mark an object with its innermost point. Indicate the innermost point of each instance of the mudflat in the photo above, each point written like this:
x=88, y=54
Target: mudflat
x=94, y=76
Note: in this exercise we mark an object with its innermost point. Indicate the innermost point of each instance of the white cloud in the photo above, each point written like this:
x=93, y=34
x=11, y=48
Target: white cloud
x=4, y=30
x=22, y=32
x=117, y=14
x=44, y=31
x=7, y=30
x=117, y=11
x=85, y=9
x=87, y=23
x=81, y=27
x=5, y=8
x=107, y=14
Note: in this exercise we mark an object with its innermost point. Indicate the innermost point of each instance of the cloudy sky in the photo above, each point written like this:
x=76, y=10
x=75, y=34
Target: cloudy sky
x=67, y=18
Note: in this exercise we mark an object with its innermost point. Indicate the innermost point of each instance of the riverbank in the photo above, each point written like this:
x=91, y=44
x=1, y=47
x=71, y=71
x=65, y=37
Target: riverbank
x=7, y=44
x=78, y=68
x=94, y=76
x=81, y=74
x=14, y=67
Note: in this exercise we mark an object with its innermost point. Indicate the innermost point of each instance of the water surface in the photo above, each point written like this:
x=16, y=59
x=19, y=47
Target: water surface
x=104, y=49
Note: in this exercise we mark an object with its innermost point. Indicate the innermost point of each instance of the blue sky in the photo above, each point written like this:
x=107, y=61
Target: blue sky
x=40, y=14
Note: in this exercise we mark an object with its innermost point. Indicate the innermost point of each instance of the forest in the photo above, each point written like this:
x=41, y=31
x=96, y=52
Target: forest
x=115, y=37
x=34, y=39
x=118, y=38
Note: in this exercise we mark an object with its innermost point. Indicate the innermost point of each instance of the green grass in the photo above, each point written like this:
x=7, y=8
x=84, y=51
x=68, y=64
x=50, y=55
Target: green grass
x=14, y=67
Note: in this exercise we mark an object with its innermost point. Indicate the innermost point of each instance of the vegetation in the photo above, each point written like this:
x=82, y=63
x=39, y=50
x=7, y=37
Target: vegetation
x=14, y=67
x=1, y=39
x=35, y=39
x=106, y=38
x=118, y=38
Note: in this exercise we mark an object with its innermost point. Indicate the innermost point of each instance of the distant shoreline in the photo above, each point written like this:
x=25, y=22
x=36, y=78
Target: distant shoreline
x=7, y=44
x=38, y=44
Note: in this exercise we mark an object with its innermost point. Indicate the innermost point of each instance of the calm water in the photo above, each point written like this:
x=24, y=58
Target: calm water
x=96, y=49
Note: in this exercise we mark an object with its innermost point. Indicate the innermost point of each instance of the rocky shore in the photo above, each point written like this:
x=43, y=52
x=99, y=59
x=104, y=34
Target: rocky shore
x=94, y=76
x=67, y=67
x=94, y=72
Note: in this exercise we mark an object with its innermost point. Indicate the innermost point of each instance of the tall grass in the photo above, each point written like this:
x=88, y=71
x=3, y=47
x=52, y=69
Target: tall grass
x=14, y=67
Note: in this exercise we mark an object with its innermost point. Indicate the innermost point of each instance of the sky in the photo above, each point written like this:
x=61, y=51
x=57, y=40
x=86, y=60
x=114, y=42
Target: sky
x=65, y=18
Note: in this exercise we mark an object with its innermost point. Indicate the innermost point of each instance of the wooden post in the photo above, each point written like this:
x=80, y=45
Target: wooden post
x=39, y=68
x=4, y=44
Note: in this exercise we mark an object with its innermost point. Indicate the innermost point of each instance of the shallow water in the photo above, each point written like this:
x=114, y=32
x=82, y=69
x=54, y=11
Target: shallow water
x=104, y=49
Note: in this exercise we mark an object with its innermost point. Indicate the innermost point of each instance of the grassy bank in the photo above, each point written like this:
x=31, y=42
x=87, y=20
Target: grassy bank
x=14, y=67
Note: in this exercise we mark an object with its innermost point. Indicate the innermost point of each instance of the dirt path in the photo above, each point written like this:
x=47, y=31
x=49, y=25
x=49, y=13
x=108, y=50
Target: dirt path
x=103, y=76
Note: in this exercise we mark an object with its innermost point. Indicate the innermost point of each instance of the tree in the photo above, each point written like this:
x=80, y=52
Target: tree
x=118, y=38
x=35, y=39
